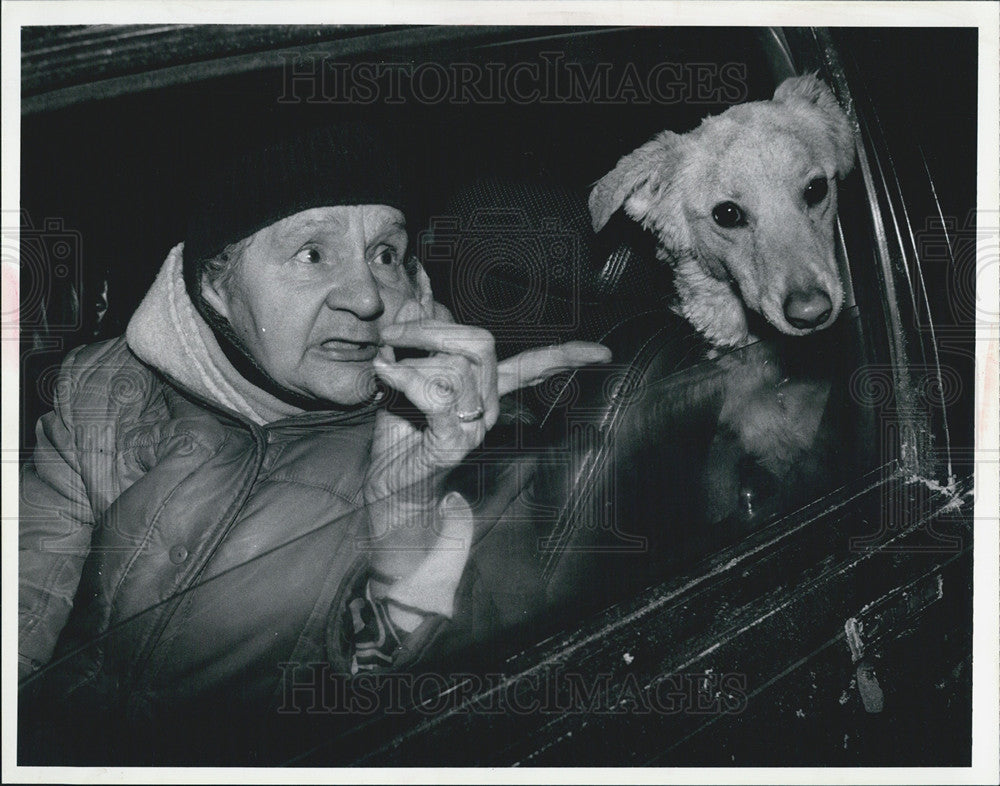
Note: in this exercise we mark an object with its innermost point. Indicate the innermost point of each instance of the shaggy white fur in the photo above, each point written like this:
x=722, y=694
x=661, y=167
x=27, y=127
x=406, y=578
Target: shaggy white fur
x=743, y=209
x=760, y=157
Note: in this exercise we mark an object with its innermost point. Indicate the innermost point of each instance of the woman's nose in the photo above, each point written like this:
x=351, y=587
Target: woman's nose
x=356, y=290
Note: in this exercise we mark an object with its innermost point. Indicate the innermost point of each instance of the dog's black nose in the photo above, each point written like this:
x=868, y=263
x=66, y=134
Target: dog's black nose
x=807, y=308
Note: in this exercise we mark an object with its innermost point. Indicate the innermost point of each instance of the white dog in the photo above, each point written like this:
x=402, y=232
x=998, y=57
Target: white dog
x=743, y=209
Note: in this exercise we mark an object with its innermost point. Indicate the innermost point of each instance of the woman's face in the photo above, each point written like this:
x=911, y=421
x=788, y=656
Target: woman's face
x=312, y=293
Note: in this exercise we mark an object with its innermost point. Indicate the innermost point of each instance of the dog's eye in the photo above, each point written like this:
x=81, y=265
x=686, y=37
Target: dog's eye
x=816, y=191
x=728, y=215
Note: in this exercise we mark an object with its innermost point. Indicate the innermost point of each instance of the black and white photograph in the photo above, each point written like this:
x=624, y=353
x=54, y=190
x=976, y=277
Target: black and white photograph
x=476, y=385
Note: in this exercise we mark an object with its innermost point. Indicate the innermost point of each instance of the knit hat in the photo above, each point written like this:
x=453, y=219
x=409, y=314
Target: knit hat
x=345, y=164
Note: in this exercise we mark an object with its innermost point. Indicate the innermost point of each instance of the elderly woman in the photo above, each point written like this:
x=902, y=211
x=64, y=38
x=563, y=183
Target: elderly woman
x=223, y=491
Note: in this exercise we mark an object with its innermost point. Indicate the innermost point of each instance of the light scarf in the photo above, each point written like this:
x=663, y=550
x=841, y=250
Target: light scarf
x=168, y=333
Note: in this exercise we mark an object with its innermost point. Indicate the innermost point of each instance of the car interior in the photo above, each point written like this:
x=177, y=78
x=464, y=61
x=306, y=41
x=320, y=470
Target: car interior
x=595, y=484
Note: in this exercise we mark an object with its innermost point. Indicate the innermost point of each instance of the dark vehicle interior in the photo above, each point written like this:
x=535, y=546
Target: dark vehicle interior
x=634, y=482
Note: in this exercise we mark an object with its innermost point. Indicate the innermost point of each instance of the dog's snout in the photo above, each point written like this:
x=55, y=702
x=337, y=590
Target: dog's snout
x=808, y=308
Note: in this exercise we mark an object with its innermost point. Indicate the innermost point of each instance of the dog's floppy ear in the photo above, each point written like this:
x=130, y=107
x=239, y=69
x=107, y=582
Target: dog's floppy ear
x=812, y=91
x=649, y=167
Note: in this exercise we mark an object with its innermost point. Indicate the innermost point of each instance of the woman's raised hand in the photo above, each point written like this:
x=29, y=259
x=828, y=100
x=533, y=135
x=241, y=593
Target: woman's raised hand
x=456, y=388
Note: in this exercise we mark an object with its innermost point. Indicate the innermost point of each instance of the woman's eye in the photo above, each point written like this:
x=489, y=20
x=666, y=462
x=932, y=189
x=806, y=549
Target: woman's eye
x=816, y=191
x=309, y=255
x=387, y=256
x=728, y=215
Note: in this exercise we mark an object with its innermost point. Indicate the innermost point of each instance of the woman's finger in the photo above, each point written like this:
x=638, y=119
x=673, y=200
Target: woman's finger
x=433, y=385
x=434, y=335
x=536, y=365
x=442, y=392
x=441, y=313
x=441, y=387
x=472, y=343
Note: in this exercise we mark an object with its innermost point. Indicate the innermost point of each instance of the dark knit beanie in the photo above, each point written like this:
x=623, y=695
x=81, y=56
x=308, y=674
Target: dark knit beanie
x=346, y=164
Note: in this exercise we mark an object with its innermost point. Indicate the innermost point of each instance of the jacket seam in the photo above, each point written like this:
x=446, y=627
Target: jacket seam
x=318, y=486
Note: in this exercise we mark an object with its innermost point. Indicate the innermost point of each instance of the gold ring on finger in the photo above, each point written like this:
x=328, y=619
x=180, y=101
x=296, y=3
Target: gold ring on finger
x=471, y=416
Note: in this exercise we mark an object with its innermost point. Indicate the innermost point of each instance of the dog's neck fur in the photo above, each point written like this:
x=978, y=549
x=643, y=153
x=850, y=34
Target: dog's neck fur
x=702, y=298
x=707, y=303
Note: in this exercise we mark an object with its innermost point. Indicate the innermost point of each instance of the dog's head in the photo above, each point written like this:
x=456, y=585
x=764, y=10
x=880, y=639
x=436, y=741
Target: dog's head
x=744, y=207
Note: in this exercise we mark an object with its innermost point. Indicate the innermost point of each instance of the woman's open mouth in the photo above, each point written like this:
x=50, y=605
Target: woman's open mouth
x=341, y=349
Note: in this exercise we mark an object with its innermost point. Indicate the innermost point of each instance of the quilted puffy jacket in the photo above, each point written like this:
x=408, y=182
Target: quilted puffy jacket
x=203, y=550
